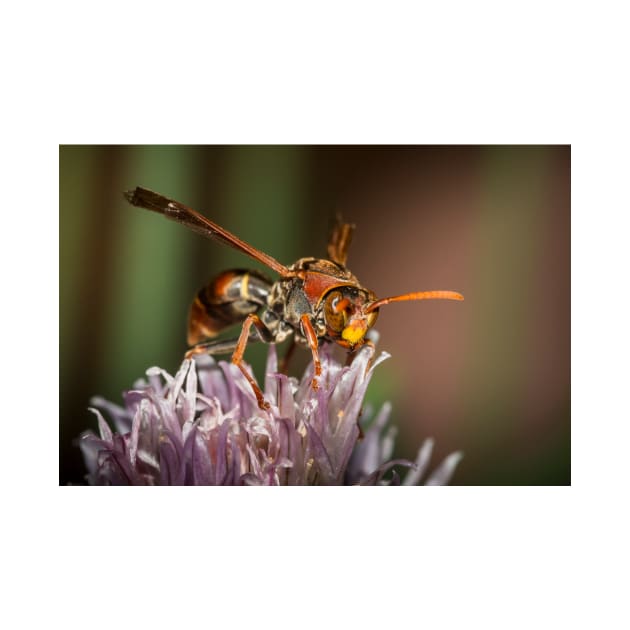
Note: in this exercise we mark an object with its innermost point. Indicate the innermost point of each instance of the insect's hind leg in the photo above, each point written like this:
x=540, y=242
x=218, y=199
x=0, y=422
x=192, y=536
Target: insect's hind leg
x=237, y=358
x=237, y=347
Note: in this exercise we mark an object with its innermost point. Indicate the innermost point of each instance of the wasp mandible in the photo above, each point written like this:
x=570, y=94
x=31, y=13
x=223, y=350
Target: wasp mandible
x=315, y=299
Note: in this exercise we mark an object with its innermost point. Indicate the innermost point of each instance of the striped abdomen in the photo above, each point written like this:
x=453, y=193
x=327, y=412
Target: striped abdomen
x=227, y=300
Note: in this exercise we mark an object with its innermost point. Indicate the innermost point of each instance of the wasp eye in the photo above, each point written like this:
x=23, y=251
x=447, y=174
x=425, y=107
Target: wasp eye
x=335, y=311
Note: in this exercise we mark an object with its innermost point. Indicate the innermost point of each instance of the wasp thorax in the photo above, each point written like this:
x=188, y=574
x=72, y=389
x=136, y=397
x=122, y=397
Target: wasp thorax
x=344, y=314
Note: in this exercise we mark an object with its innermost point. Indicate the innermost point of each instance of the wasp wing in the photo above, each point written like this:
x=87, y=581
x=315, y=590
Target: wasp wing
x=177, y=211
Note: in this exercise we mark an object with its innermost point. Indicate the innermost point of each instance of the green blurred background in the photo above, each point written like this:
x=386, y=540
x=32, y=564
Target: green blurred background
x=489, y=376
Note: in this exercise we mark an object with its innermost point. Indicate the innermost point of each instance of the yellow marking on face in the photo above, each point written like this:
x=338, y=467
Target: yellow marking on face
x=354, y=332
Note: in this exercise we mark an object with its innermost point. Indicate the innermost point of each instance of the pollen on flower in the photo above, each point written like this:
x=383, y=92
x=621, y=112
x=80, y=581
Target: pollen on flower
x=203, y=426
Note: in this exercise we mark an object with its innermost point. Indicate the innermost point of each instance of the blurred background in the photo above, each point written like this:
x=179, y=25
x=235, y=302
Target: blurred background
x=489, y=376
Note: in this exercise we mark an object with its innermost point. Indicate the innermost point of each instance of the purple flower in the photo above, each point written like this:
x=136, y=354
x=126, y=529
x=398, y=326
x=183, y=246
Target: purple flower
x=204, y=427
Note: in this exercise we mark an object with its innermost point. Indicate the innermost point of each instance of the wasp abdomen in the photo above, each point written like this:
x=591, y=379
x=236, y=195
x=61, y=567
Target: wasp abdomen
x=227, y=300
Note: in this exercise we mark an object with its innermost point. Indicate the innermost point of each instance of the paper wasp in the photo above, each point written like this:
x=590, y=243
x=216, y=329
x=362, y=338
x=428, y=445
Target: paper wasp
x=314, y=299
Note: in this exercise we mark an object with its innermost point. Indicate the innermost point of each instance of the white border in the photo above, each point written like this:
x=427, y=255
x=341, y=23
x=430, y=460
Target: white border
x=357, y=72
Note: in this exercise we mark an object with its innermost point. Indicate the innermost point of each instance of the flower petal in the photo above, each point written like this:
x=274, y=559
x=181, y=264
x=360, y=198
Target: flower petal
x=376, y=477
x=421, y=464
x=220, y=464
x=271, y=370
x=443, y=473
x=190, y=395
x=203, y=426
x=249, y=479
x=103, y=427
x=135, y=431
x=120, y=416
x=201, y=463
x=319, y=453
x=285, y=400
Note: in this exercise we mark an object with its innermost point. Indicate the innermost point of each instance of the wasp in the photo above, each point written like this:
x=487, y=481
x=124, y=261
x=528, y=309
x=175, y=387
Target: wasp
x=316, y=300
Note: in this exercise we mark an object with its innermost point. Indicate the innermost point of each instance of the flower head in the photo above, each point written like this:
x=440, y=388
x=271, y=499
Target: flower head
x=203, y=426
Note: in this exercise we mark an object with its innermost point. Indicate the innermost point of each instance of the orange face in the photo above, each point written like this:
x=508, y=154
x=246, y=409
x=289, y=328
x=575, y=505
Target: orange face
x=345, y=316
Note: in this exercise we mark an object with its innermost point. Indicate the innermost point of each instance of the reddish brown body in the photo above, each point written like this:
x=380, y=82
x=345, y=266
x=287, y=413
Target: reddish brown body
x=314, y=300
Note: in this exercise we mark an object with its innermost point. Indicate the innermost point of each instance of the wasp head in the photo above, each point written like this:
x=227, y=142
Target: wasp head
x=349, y=312
x=345, y=314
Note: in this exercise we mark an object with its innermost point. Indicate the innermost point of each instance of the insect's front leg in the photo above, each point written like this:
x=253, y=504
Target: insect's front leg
x=237, y=358
x=311, y=339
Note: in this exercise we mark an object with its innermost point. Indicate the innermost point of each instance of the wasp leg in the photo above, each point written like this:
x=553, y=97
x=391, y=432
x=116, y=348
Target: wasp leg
x=237, y=358
x=311, y=338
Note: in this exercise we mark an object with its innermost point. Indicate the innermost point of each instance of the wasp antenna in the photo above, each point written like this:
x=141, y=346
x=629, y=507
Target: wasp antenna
x=421, y=295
